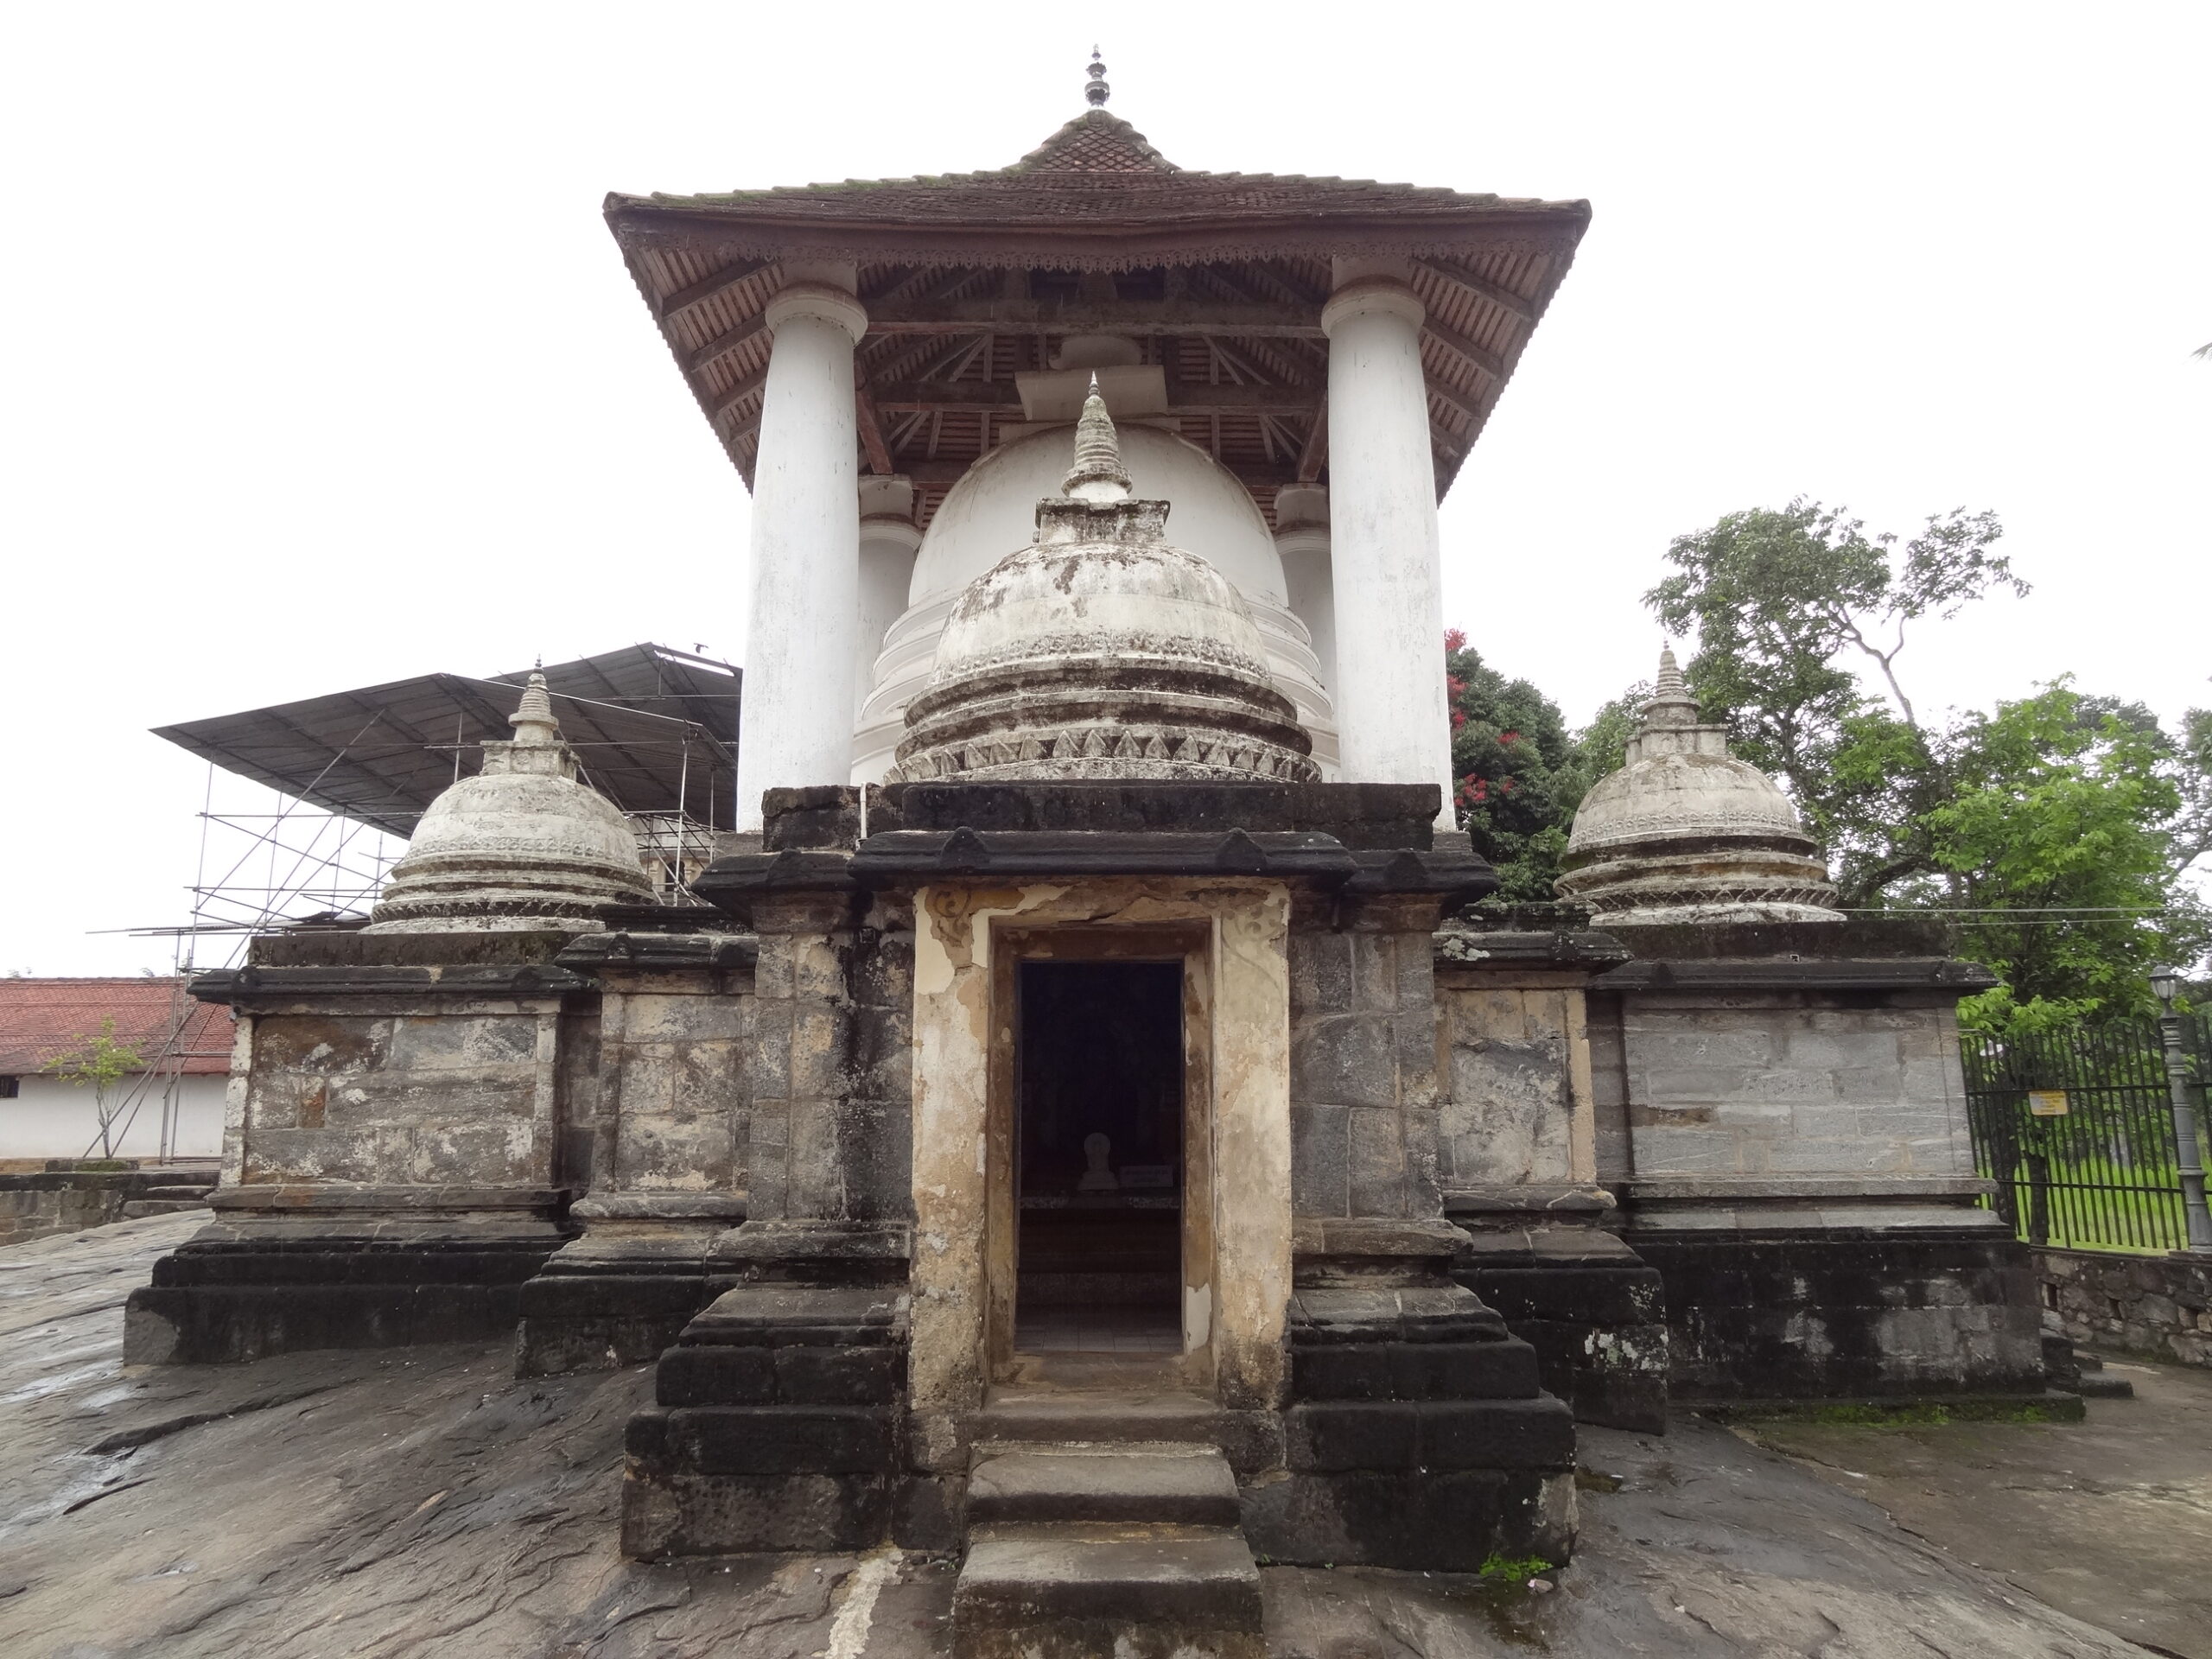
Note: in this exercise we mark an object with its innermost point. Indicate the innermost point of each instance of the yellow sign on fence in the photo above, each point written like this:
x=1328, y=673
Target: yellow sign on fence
x=2046, y=1103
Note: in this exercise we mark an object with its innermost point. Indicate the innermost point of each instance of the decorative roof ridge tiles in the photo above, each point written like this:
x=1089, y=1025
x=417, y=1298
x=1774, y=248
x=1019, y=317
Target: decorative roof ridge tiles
x=1102, y=130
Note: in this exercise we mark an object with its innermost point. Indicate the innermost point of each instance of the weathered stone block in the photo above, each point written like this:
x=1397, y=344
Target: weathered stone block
x=1345, y=1060
x=1320, y=1159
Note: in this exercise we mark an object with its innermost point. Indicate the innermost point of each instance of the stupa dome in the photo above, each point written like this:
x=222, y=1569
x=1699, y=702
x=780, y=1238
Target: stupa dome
x=1099, y=651
x=521, y=845
x=992, y=510
x=1686, y=832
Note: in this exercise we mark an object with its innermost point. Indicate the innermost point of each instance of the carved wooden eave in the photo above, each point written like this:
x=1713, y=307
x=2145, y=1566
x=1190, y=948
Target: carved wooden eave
x=969, y=279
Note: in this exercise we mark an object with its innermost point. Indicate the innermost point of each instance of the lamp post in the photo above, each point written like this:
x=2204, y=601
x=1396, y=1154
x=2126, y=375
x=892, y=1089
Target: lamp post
x=2165, y=981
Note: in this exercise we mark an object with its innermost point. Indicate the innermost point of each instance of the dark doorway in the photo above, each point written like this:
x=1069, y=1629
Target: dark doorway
x=1099, y=1159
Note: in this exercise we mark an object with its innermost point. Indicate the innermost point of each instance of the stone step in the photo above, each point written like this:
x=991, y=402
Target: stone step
x=1096, y=1415
x=192, y=1194
x=1093, y=1588
x=139, y=1208
x=2095, y=1385
x=1181, y=1486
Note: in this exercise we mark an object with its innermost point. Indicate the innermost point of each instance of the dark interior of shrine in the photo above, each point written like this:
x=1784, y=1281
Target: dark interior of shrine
x=1100, y=1057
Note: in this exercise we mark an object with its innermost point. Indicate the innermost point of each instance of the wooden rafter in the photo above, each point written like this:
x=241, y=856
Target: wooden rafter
x=1082, y=316
x=871, y=428
x=1316, y=450
x=1453, y=340
x=1464, y=402
x=1003, y=397
x=725, y=402
x=726, y=342
x=1481, y=286
x=707, y=287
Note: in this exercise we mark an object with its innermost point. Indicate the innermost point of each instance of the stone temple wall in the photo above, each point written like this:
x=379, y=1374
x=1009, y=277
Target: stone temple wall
x=1364, y=1059
x=1519, y=1086
x=1788, y=1084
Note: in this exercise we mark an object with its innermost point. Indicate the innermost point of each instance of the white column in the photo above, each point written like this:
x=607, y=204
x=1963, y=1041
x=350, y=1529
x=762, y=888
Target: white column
x=1393, y=722
x=888, y=542
x=795, y=721
x=1303, y=540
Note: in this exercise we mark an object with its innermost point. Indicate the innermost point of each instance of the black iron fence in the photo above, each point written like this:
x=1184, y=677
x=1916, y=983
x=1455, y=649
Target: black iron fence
x=2076, y=1128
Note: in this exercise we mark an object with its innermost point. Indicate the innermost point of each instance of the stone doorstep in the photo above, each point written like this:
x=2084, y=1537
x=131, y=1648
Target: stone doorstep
x=1178, y=1484
x=1087, y=1417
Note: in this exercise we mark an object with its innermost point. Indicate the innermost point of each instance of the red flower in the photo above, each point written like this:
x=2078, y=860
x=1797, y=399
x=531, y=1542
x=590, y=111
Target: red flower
x=1455, y=639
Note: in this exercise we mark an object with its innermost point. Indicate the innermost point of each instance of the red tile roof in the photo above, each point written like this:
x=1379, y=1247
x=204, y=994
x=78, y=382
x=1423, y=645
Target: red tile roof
x=1097, y=169
x=42, y=1018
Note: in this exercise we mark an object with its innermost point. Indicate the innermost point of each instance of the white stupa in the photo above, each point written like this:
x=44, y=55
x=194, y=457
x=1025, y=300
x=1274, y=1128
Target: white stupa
x=1685, y=832
x=523, y=845
x=1099, y=651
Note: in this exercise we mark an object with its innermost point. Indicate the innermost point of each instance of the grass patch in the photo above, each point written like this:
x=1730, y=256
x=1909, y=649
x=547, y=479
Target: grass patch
x=1910, y=1414
x=1500, y=1569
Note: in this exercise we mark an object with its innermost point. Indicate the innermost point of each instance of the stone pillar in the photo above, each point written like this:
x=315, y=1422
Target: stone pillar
x=667, y=1159
x=888, y=542
x=795, y=723
x=1392, y=719
x=1302, y=539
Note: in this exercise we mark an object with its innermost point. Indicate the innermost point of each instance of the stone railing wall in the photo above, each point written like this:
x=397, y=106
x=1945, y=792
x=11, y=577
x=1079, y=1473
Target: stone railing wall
x=2156, y=1306
x=39, y=1203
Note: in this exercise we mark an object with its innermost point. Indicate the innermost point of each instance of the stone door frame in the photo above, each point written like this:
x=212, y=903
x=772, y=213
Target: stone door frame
x=1189, y=944
x=1245, y=924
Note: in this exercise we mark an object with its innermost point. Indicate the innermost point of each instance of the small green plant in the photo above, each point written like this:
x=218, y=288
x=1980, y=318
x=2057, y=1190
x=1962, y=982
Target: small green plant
x=99, y=1065
x=1500, y=1569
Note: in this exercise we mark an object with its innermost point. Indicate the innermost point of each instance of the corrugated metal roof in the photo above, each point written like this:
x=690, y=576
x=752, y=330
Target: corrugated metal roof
x=654, y=730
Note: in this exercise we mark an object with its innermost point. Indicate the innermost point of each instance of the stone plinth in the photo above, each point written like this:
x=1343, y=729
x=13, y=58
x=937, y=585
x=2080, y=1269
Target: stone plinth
x=1782, y=1108
x=395, y=1159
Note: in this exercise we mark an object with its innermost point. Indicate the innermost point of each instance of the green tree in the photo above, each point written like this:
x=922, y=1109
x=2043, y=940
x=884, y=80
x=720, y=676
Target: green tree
x=2066, y=829
x=1519, y=772
x=1781, y=604
x=2060, y=827
x=98, y=1064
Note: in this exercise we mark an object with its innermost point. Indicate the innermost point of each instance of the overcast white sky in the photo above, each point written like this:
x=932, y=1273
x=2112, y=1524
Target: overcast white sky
x=323, y=369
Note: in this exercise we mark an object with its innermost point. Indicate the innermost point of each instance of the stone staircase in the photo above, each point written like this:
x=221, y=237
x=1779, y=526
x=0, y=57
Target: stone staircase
x=1103, y=1523
x=187, y=1191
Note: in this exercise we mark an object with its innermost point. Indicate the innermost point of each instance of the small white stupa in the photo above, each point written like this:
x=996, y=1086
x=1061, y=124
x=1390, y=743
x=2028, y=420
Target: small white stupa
x=1099, y=651
x=1685, y=832
x=523, y=845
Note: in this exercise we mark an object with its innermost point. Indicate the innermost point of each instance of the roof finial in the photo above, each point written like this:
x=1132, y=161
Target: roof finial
x=1097, y=91
x=1098, y=474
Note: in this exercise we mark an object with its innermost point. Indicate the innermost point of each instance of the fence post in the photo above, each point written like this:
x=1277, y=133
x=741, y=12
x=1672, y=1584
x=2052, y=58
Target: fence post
x=2189, y=1161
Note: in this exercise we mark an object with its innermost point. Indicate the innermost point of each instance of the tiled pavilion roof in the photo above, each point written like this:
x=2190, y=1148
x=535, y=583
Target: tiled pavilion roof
x=970, y=278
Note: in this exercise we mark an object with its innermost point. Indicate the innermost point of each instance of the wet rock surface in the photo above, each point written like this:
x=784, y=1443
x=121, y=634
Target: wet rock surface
x=425, y=1502
x=2109, y=1519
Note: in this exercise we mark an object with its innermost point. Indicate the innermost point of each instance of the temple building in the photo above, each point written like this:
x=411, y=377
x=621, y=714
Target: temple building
x=1087, y=1118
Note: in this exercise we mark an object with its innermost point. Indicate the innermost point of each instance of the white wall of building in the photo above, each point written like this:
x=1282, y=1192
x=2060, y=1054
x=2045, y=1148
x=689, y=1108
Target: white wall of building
x=51, y=1119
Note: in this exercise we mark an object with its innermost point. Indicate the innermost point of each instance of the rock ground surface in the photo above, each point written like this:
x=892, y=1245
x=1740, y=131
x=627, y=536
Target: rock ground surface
x=427, y=1502
x=2109, y=1519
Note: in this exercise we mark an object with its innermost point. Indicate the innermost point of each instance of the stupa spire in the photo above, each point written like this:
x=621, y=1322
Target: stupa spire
x=1671, y=703
x=1098, y=474
x=1097, y=91
x=534, y=721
